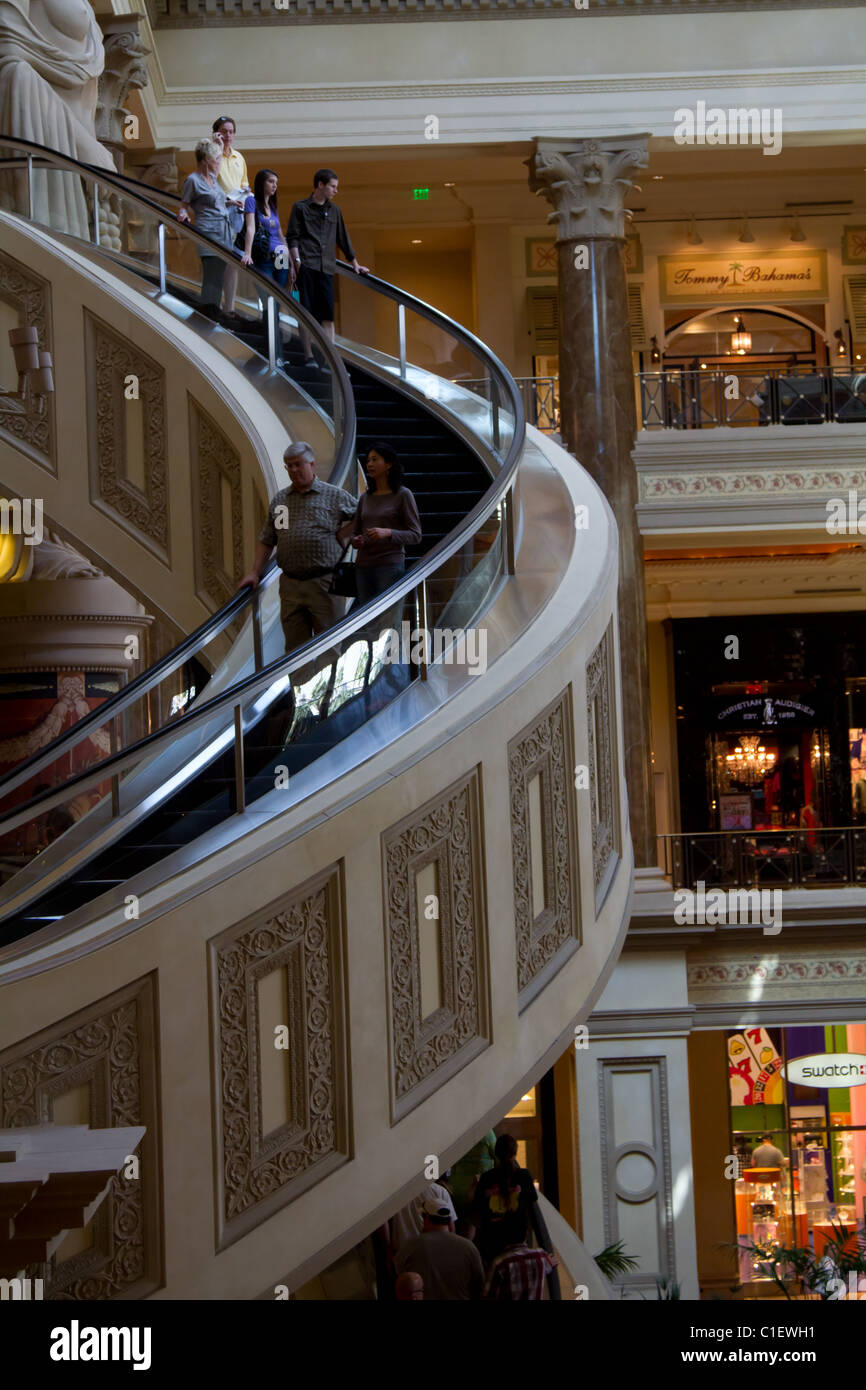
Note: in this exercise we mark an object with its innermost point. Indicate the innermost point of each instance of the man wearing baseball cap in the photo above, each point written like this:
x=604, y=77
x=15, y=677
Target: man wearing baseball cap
x=449, y=1265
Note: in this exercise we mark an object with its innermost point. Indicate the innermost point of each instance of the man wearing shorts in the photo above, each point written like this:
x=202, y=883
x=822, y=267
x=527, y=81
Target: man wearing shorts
x=316, y=230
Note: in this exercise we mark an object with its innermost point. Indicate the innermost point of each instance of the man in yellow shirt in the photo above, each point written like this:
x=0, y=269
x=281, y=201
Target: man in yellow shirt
x=234, y=181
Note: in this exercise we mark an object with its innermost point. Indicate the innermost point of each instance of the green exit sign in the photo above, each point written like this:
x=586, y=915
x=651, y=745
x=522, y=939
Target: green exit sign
x=420, y=194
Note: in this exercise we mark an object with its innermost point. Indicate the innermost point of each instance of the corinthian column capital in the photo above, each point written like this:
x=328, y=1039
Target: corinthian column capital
x=587, y=182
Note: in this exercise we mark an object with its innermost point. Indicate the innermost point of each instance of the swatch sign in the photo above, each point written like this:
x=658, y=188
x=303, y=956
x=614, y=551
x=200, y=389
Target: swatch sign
x=827, y=1069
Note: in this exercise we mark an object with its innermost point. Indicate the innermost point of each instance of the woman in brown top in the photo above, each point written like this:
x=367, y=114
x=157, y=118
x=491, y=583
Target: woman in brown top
x=385, y=523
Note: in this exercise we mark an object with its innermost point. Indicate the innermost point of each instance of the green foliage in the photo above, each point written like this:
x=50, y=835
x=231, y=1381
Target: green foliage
x=613, y=1260
x=667, y=1290
x=818, y=1276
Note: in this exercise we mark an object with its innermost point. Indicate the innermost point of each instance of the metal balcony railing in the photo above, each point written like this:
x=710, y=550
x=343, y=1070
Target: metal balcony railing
x=692, y=399
x=540, y=396
x=825, y=857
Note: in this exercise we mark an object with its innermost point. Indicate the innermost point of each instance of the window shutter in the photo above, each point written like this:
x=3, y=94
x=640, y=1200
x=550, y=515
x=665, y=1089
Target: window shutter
x=543, y=315
x=855, y=305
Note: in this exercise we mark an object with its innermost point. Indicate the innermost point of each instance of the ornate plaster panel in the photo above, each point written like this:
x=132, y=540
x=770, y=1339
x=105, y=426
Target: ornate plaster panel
x=544, y=749
x=30, y=296
x=215, y=460
x=603, y=765
x=257, y=1173
x=110, y=1048
x=111, y=361
x=426, y=1051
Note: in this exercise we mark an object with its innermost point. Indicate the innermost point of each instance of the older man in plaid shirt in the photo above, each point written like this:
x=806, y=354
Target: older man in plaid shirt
x=303, y=521
x=518, y=1274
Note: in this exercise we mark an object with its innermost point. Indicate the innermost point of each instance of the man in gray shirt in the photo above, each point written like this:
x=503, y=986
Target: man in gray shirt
x=767, y=1155
x=449, y=1265
x=302, y=523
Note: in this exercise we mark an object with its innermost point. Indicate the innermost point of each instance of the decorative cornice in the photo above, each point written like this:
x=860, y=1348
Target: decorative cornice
x=186, y=14
x=475, y=89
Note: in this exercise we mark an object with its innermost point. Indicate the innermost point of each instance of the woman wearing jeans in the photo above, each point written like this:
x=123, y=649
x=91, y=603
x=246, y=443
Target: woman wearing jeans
x=203, y=197
x=261, y=206
x=385, y=523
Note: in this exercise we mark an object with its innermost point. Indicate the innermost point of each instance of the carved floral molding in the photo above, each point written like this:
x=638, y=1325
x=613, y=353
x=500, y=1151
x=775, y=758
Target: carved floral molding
x=257, y=1172
x=544, y=750
x=426, y=1052
x=111, y=360
x=215, y=459
x=30, y=296
x=109, y=1047
x=823, y=975
x=748, y=482
x=603, y=765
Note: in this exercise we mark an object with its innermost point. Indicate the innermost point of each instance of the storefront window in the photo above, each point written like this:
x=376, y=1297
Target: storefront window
x=774, y=723
x=798, y=1130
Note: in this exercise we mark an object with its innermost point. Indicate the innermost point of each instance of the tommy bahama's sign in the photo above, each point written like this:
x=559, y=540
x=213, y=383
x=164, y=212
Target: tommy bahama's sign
x=771, y=277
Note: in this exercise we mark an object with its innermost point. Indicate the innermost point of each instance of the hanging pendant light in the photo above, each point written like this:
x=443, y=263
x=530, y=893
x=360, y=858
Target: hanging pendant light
x=741, y=340
x=797, y=233
x=693, y=236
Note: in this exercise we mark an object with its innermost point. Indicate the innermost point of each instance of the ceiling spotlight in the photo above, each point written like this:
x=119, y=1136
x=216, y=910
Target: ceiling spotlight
x=450, y=185
x=658, y=177
x=693, y=236
x=797, y=233
x=416, y=241
x=746, y=233
x=841, y=349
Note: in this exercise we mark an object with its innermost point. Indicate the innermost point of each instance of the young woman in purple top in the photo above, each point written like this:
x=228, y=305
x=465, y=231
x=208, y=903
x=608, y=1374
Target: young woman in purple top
x=261, y=206
x=385, y=523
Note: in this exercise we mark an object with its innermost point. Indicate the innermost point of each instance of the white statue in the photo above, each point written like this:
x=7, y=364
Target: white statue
x=51, y=56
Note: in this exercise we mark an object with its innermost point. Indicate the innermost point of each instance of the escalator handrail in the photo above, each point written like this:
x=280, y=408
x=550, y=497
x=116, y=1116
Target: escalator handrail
x=147, y=680
x=301, y=656
x=120, y=184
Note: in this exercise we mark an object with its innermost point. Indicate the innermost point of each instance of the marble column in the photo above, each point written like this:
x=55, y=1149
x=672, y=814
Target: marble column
x=586, y=181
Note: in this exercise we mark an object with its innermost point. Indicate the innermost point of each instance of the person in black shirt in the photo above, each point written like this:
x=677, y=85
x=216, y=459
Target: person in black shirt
x=505, y=1200
x=316, y=230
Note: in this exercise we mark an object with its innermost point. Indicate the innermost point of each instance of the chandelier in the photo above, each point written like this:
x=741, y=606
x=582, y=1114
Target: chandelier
x=750, y=761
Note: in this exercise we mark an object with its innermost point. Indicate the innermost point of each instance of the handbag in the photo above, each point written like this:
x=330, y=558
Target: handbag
x=261, y=247
x=345, y=580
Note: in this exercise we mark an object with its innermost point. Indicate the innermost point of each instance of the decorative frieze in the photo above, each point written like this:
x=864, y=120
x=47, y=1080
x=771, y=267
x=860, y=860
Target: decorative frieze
x=425, y=1051
x=545, y=938
x=110, y=1049
x=259, y=1168
x=190, y=14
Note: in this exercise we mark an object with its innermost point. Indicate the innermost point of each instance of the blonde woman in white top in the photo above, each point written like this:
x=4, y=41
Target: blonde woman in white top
x=233, y=179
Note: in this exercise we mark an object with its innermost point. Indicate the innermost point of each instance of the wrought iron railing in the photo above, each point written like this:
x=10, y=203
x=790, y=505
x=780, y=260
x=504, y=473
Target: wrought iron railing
x=540, y=396
x=692, y=399
x=819, y=857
